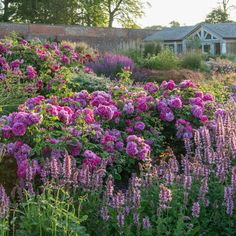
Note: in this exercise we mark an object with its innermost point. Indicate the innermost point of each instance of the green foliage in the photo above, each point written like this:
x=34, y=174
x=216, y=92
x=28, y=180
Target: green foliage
x=217, y=15
x=192, y=61
x=136, y=55
x=220, y=86
x=89, y=82
x=165, y=60
x=54, y=204
x=151, y=49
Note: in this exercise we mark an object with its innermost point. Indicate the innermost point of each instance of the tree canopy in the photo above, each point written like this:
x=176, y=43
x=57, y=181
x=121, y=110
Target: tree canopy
x=82, y=12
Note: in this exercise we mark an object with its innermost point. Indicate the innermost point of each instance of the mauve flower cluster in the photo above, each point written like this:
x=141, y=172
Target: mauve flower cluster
x=112, y=141
x=136, y=146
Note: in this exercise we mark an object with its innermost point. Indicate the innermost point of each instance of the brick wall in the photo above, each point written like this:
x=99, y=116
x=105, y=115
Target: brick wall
x=105, y=39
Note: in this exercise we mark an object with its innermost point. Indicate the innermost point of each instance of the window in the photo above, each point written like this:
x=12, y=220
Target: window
x=179, y=48
x=207, y=48
x=170, y=46
x=208, y=36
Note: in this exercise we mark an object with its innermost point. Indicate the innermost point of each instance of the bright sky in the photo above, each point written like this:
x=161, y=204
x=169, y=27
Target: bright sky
x=187, y=12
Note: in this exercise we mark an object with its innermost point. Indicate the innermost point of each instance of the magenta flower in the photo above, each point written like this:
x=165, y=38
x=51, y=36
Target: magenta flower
x=132, y=149
x=139, y=126
x=197, y=111
x=19, y=129
x=31, y=72
x=175, y=102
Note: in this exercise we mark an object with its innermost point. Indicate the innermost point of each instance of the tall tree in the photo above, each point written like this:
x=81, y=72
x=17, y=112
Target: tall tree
x=90, y=13
x=44, y=11
x=217, y=15
x=221, y=13
x=6, y=10
x=123, y=10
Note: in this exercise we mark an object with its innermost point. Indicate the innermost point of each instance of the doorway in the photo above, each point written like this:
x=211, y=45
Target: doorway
x=217, y=49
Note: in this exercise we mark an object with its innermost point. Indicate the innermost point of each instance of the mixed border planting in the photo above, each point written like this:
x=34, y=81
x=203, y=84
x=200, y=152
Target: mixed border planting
x=104, y=155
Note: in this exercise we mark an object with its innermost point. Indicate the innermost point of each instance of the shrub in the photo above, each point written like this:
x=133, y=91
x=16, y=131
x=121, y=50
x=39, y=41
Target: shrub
x=151, y=49
x=165, y=60
x=135, y=54
x=34, y=67
x=89, y=82
x=192, y=61
x=221, y=66
x=110, y=65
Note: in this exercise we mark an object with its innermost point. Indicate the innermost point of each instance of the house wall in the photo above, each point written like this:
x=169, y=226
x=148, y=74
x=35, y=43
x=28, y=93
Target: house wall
x=104, y=39
x=231, y=46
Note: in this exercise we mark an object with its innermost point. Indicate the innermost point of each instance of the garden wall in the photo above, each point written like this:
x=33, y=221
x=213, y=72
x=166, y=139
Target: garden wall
x=105, y=39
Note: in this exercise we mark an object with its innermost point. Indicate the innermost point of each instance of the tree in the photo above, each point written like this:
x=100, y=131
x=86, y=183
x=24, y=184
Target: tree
x=123, y=10
x=217, y=15
x=91, y=13
x=221, y=13
x=174, y=24
x=6, y=10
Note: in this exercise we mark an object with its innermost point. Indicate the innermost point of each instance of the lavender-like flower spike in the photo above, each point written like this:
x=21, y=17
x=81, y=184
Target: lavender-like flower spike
x=136, y=218
x=187, y=182
x=54, y=168
x=67, y=167
x=146, y=223
x=233, y=178
x=4, y=202
x=104, y=214
x=121, y=219
x=196, y=209
x=165, y=196
x=109, y=187
x=228, y=197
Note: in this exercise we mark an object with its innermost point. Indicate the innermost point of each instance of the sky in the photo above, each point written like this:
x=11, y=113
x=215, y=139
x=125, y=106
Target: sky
x=186, y=12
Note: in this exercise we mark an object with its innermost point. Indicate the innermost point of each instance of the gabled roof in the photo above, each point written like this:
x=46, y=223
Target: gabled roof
x=225, y=30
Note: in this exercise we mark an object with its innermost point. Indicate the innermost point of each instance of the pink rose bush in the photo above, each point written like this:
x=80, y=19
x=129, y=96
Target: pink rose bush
x=127, y=123
x=39, y=68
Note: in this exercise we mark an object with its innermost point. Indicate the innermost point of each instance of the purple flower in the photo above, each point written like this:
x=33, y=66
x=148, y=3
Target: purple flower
x=197, y=111
x=132, y=149
x=4, y=203
x=91, y=158
x=208, y=97
x=128, y=108
x=31, y=72
x=175, y=102
x=139, y=126
x=165, y=196
x=119, y=145
x=196, y=209
x=105, y=112
x=146, y=223
x=19, y=129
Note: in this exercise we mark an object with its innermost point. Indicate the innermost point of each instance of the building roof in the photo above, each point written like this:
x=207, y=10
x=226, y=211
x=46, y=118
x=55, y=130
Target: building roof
x=225, y=30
